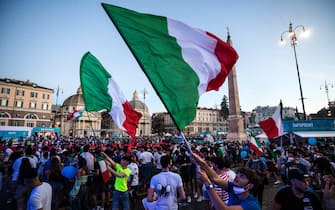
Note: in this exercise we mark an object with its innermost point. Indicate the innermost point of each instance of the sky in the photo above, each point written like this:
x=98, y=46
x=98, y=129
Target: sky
x=44, y=41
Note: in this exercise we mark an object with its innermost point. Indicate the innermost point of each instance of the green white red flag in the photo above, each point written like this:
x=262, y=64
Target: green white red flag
x=104, y=171
x=100, y=92
x=76, y=114
x=256, y=146
x=180, y=61
x=273, y=126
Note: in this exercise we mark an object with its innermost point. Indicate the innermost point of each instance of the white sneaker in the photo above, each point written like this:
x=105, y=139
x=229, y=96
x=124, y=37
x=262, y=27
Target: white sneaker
x=189, y=200
x=199, y=199
x=276, y=182
x=195, y=195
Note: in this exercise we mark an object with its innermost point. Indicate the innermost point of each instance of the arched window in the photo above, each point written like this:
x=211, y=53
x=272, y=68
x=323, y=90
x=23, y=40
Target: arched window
x=31, y=116
x=4, y=115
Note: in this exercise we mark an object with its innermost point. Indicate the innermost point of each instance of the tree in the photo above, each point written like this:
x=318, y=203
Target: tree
x=224, y=112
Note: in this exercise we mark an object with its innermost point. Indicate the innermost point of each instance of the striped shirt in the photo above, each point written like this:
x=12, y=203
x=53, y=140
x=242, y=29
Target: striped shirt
x=221, y=192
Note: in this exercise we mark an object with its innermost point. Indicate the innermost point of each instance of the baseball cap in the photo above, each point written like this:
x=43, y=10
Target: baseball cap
x=296, y=173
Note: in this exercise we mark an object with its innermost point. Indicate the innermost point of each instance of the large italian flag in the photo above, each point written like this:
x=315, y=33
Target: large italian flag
x=100, y=92
x=181, y=62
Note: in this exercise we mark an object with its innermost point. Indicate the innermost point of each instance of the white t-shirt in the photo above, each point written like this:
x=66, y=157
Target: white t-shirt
x=89, y=160
x=146, y=157
x=168, y=201
x=157, y=158
x=8, y=152
x=40, y=197
x=134, y=172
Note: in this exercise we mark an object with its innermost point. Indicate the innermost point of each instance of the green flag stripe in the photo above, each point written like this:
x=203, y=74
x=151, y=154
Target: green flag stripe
x=94, y=81
x=160, y=58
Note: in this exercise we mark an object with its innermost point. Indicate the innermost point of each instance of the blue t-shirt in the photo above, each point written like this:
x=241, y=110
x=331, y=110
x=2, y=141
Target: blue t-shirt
x=250, y=203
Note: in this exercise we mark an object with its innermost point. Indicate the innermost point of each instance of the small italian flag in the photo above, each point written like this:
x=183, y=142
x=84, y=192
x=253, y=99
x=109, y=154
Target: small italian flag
x=256, y=146
x=100, y=92
x=75, y=114
x=180, y=61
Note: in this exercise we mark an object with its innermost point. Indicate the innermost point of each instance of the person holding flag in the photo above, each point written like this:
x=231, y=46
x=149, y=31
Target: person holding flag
x=122, y=173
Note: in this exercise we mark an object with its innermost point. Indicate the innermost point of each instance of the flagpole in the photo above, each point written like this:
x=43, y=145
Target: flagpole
x=281, y=117
x=91, y=124
x=188, y=147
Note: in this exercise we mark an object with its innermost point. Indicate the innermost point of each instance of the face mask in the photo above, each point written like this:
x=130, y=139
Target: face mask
x=238, y=190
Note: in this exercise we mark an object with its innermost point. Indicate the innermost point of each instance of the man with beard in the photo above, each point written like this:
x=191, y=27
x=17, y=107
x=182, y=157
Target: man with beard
x=296, y=196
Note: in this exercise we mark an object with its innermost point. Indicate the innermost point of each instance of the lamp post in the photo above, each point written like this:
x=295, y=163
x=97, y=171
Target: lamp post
x=326, y=86
x=293, y=37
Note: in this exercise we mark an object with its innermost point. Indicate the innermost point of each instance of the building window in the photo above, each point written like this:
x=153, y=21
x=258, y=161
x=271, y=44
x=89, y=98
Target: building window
x=2, y=123
x=48, y=96
x=4, y=102
x=31, y=116
x=19, y=104
x=30, y=124
x=45, y=106
x=4, y=115
x=15, y=123
x=20, y=92
x=5, y=90
x=32, y=105
x=33, y=94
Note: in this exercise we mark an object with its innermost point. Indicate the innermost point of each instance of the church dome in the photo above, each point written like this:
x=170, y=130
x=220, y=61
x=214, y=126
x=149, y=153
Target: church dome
x=75, y=100
x=138, y=105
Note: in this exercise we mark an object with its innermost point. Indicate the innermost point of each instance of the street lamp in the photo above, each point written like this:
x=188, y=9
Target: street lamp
x=293, y=37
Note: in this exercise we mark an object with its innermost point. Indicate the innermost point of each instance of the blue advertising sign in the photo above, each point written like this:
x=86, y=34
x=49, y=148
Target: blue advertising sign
x=43, y=130
x=14, y=134
x=309, y=125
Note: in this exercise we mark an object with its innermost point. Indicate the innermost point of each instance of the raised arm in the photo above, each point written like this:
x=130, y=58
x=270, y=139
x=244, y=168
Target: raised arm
x=109, y=160
x=212, y=175
x=216, y=200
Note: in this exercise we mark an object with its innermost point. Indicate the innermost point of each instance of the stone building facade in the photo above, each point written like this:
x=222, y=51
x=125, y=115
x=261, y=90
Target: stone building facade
x=89, y=124
x=206, y=120
x=24, y=103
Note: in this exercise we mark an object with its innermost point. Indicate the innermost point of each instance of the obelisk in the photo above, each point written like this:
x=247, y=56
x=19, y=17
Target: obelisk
x=236, y=128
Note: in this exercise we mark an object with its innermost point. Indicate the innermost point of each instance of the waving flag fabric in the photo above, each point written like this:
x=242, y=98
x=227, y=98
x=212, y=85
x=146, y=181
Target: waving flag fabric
x=256, y=146
x=75, y=114
x=103, y=168
x=181, y=62
x=101, y=92
x=273, y=126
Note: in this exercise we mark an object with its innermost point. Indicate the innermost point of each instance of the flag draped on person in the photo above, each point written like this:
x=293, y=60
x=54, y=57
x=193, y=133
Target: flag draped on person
x=256, y=146
x=103, y=168
x=181, y=62
x=273, y=126
x=75, y=114
x=100, y=92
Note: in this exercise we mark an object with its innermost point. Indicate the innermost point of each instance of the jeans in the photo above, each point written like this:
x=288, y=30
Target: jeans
x=120, y=198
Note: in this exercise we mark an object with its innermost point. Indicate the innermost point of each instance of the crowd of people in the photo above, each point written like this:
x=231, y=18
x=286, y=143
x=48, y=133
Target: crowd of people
x=82, y=174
